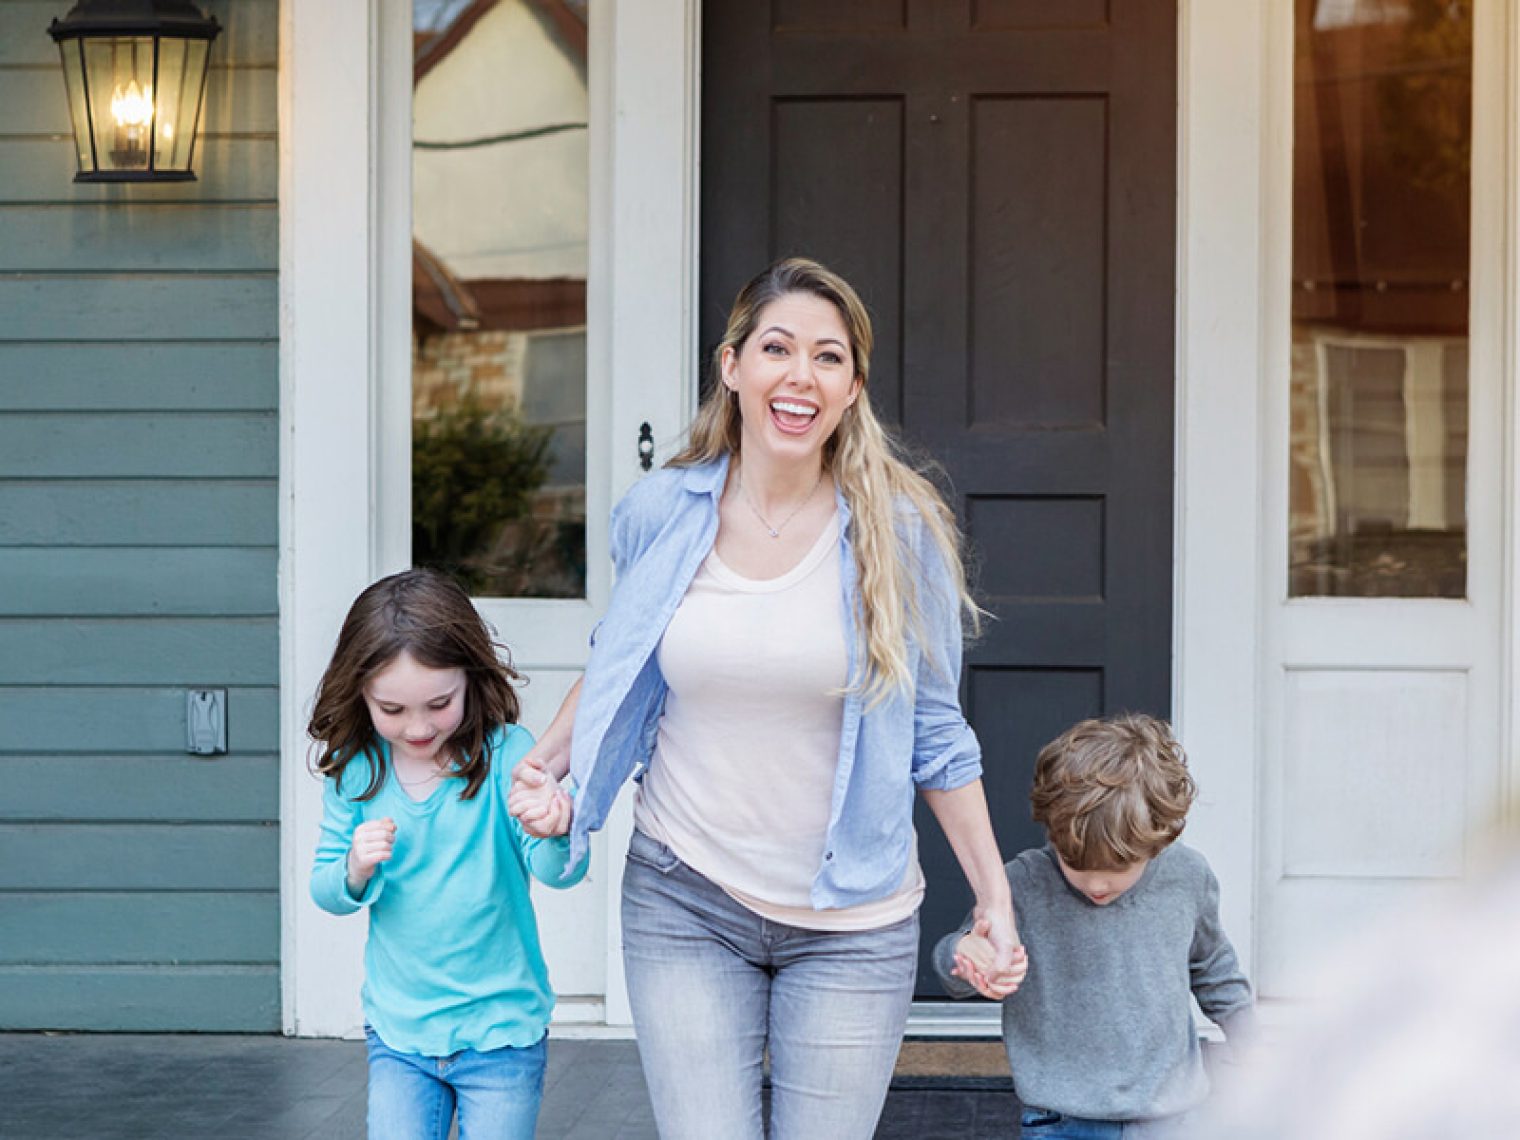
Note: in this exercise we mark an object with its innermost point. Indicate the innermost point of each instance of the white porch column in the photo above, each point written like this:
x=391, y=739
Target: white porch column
x=329, y=382
x=1219, y=367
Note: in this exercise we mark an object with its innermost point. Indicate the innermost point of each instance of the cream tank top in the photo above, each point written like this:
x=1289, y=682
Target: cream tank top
x=742, y=778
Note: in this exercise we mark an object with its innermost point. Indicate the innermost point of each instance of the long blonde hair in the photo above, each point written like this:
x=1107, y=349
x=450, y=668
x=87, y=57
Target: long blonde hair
x=870, y=467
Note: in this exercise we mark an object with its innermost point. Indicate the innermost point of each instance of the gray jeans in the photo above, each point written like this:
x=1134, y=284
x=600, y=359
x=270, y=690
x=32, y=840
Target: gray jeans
x=713, y=985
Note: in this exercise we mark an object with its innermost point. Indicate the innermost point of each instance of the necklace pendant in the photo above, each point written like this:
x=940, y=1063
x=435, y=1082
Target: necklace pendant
x=774, y=533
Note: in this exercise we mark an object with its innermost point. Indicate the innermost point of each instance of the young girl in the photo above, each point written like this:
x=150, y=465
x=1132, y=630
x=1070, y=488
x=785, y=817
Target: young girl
x=416, y=718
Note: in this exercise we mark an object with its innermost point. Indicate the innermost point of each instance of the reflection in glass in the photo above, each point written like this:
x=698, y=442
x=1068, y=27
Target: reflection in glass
x=500, y=204
x=1381, y=175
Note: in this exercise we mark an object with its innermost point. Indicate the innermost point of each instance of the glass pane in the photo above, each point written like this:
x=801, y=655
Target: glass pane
x=79, y=114
x=194, y=101
x=500, y=205
x=119, y=74
x=179, y=73
x=1381, y=174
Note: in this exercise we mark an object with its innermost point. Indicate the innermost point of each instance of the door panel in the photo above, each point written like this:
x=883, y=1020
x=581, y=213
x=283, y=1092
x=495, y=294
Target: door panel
x=999, y=185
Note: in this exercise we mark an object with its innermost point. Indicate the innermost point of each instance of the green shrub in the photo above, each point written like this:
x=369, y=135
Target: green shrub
x=473, y=472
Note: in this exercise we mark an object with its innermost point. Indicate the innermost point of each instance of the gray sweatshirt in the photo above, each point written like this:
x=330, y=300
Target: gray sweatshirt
x=1102, y=1027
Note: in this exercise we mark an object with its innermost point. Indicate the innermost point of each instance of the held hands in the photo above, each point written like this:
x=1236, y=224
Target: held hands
x=537, y=800
x=976, y=962
x=374, y=841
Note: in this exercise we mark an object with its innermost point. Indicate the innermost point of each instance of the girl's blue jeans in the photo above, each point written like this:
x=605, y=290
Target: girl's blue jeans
x=713, y=986
x=496, y=1092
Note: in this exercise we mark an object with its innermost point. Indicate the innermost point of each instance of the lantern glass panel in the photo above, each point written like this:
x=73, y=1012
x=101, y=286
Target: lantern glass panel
x=73, y=80
x=181, y=63
x=119, y=74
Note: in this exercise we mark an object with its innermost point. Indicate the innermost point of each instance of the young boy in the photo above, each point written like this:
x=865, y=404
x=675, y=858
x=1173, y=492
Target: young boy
x=1121, y=924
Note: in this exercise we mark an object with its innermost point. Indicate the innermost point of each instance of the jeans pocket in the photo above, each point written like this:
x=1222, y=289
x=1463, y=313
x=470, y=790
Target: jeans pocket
x=652, y=853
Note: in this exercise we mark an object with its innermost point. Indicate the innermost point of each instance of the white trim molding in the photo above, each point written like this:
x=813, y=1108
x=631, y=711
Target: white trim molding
x=1507, y=48
x=328, y=396
x=1220, y=141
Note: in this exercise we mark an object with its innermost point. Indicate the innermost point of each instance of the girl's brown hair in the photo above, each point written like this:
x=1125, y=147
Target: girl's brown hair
x=869, y=465
x=1112, y=792
x=428, y=615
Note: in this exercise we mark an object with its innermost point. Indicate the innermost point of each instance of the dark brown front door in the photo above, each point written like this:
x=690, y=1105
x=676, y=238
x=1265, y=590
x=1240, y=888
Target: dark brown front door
x=997, y=178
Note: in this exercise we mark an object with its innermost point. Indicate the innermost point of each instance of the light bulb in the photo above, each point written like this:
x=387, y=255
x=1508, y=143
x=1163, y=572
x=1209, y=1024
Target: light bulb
x=134, y=107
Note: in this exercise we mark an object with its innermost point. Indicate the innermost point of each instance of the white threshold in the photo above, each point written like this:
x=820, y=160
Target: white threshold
x=584, y=1019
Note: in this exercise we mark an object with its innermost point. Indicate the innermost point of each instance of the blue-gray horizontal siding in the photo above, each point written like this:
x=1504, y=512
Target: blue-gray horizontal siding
x=111, y=581
x=139, y=459
x=119, y=651
x=148, y=998
x=39, y=168
x=138, y=856
x=118, y=787
x=136, y=445
x=209, y=376
x=131, y=512
x=160, y=306
x=105, y=718
x=225, y=237
x=202, y=927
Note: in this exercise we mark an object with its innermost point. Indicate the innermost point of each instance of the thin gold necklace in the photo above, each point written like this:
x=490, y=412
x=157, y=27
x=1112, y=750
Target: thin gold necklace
x=438, y=771
x=775, y=531
x=428, y=779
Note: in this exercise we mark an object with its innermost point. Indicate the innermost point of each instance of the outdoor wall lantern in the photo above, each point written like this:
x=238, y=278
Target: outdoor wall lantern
x=135, y=71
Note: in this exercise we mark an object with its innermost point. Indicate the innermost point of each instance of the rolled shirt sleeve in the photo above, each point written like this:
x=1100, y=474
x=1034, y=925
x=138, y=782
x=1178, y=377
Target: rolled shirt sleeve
x=946, y=752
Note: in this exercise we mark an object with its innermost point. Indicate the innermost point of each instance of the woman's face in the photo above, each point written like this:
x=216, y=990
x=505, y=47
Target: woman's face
x=794, y=376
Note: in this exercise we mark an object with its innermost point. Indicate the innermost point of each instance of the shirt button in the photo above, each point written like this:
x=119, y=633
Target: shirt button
x=828, y=855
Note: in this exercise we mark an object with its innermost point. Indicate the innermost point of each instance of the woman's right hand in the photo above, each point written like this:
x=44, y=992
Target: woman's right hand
x=373, y=843
x=535, y=798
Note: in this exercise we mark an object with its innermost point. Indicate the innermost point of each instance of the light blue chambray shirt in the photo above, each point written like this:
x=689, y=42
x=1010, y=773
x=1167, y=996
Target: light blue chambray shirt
x=662, y=531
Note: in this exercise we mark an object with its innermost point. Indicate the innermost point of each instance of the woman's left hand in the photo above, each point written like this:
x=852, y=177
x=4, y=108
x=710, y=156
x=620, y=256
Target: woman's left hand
x=1009, y=962
x=962, y=814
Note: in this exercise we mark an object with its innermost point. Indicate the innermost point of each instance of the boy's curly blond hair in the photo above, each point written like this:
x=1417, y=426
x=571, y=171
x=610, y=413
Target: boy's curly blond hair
x=1112, y=792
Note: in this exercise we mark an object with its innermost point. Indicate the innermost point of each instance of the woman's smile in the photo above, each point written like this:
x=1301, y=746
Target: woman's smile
x=793, y=416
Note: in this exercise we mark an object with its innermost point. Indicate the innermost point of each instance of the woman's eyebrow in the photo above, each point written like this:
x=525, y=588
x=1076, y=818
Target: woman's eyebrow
x=786, y=332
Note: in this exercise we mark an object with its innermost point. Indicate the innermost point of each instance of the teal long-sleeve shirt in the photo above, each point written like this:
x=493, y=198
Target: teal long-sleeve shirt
x=452, y=960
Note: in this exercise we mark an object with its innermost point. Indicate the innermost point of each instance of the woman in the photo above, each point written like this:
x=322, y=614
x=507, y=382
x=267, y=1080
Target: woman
x=782, y=650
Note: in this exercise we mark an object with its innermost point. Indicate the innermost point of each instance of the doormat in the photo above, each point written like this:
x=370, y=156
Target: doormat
x=978, y=1064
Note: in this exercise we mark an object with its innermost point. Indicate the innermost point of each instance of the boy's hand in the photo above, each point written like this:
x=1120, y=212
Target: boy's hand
x=537, y=801
x=975, y=956
x=373, y=843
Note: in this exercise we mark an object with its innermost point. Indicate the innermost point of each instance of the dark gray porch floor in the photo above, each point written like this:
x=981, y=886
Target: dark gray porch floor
x=154, y=1087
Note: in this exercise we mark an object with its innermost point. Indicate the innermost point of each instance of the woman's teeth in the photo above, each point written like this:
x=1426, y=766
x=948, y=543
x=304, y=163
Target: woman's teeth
x=793, y=409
